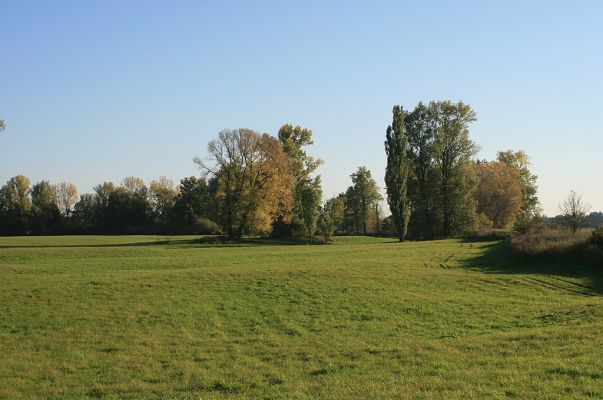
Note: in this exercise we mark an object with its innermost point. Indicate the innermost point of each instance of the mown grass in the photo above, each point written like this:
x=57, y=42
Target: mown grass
x=157, y=317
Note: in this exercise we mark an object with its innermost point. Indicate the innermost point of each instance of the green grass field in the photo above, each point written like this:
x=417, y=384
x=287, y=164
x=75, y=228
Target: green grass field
x=144, y=317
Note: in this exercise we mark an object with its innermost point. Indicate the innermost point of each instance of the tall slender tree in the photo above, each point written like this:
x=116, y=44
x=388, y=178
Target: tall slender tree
x=311, y=195
x=396, y=172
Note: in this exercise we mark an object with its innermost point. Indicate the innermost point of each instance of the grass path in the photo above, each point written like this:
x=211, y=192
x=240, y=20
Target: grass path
x=147, y=317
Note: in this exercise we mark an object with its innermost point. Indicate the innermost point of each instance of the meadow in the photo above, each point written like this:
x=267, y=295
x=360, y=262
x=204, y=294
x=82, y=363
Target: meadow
x=146, y=317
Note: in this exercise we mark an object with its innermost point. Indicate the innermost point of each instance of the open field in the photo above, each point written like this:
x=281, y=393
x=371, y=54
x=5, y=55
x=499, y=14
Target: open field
x=141, y=317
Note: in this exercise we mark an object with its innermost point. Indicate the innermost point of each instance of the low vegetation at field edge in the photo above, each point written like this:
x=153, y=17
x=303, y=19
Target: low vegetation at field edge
x=167, y=317
x=584, y=246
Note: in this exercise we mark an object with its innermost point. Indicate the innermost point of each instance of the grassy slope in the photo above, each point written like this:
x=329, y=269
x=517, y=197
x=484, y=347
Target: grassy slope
x=366, y=318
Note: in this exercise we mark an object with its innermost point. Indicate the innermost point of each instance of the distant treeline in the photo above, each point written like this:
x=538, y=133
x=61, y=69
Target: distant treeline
x=258, y=184
x=592, y=220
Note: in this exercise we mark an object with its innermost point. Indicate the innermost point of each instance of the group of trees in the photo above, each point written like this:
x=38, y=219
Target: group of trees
x=268, y=185
x=131, y=207
x=434, y=186
x=507, y=191
x=264, y=184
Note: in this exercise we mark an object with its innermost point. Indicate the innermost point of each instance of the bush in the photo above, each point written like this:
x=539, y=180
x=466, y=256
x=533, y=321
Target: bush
x=205, y=226
x=221, y=239
x=281, y=230
x=484, y=223
x=529, y=224
x=490, y=235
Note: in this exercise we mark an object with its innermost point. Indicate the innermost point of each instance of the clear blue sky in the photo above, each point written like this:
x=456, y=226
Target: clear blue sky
x=98, y=90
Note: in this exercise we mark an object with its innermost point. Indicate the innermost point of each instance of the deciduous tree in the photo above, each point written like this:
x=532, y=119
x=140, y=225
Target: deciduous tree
x=162, y=194
x=574, y=211
x=294, y=140
x=453, y=150
x=361, y=197
x=254, y=184
x=15, y=205
x=311, y=196
x=331, y=216
x=46, y=215
x=66, y=197
x=520, y=162
x=420, y=127
x=134, y=185
x=498, y=193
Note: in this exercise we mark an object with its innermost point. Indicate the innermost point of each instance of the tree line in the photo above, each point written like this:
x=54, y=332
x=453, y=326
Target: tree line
x=259, y=184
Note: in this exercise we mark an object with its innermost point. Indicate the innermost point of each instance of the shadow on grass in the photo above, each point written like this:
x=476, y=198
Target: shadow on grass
x=199, y=243
x=132, y=244
x=498, y=258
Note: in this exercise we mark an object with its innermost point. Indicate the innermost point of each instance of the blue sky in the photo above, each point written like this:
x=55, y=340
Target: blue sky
x=99, y=90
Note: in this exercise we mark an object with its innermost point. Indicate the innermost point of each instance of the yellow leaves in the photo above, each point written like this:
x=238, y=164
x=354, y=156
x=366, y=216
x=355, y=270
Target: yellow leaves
x=254, y=182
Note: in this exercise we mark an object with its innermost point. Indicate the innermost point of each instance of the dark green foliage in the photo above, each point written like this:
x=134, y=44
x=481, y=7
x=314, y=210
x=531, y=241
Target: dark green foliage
x=85, y=214
x=46, y=217
x=15, y=206
x=331, y=216
x=396, y=172
x=126, y=212
x=420, y=127
x=442, y=179
x=310, y=197
x=192, y=202
x=529, y=224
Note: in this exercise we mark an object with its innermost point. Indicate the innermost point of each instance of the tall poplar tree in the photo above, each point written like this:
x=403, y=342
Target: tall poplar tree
x=396, y=173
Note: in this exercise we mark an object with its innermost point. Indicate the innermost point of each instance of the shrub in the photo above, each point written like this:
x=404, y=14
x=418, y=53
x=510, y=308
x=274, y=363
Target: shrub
x=205, y=226
x=529, y=224
x=281, y=230
x=490, y=235
x=221, y=239
x=484, y=223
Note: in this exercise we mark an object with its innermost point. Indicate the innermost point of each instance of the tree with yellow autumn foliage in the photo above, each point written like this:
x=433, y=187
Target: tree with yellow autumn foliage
x=254, y=184
x=498, y=194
